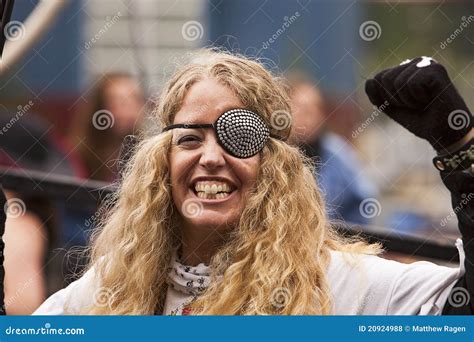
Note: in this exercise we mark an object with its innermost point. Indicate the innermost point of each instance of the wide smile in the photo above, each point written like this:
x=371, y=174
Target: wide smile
x=213, y=191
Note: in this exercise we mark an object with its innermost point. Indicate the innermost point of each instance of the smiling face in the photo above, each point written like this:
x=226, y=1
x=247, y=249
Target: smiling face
x=209, y=185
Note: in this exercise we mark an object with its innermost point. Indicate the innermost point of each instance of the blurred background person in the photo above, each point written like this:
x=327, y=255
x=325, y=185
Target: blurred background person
x=339, y=172
x=31, y=228
x=113, y=112
x=38, y=239
x=27, y=237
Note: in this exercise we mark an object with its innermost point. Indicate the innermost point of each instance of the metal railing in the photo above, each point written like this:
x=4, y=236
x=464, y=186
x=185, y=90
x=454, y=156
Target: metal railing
x=39, y=184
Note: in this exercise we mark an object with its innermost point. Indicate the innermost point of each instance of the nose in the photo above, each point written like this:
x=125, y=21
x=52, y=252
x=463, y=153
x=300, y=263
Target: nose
x=212, y=156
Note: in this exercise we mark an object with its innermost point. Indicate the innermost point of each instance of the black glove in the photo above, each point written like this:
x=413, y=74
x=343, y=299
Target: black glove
x=420, y=96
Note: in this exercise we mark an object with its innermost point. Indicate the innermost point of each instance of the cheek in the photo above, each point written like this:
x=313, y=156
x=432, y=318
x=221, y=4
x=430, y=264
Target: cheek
x=255, y=169
x=177, y=169
x=248, y=171
x=173, y=165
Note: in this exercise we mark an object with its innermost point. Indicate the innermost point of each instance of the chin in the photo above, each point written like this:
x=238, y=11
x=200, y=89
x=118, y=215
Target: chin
x=211, y=221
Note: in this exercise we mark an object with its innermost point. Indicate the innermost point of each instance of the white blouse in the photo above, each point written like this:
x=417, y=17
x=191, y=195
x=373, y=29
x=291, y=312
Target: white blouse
x=359, y=284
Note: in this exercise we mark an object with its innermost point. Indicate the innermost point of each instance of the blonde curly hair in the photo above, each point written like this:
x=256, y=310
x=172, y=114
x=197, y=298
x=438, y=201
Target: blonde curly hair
x=280, y=246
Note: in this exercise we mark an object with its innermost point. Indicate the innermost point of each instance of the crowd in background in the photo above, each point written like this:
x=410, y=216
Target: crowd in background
x=350, y=167
x=88, y=152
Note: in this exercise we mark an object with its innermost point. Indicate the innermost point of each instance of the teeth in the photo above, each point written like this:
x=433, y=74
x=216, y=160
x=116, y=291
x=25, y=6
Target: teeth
x=212, y=187
x=204, y=195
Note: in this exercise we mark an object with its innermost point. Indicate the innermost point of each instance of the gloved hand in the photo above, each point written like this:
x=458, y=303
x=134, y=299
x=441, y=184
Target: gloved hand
x=420, y=96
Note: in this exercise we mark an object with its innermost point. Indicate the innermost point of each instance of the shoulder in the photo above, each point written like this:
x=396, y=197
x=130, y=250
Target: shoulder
x=75, y=298
x=369, y=284
x=342, y=166
x=335, y=146
x=357, y=280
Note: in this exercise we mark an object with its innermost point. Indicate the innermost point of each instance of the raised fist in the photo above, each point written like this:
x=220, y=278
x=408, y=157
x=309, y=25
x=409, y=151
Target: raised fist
x=419, y=95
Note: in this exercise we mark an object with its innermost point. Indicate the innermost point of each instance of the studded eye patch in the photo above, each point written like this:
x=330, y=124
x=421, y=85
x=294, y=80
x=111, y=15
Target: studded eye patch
x=240, y=132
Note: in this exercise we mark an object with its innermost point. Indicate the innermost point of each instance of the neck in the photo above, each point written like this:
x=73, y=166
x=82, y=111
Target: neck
x=199, y=244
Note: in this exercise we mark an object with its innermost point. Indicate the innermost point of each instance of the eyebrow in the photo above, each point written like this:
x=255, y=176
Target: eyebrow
x=184, y=125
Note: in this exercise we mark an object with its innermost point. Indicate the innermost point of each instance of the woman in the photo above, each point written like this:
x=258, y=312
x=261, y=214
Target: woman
x=227, y=219
x=93, y=147
x=115, y=111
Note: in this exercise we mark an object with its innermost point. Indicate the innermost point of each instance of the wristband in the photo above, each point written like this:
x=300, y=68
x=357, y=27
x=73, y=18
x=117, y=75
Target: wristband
x=459, y=160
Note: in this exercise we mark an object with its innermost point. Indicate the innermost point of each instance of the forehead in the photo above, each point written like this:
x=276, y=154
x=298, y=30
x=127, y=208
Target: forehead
x=205, y=101
x=306, y=93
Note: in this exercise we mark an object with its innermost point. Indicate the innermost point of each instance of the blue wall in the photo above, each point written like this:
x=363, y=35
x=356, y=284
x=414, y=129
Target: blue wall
x=55, y=66
x=328, y=30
